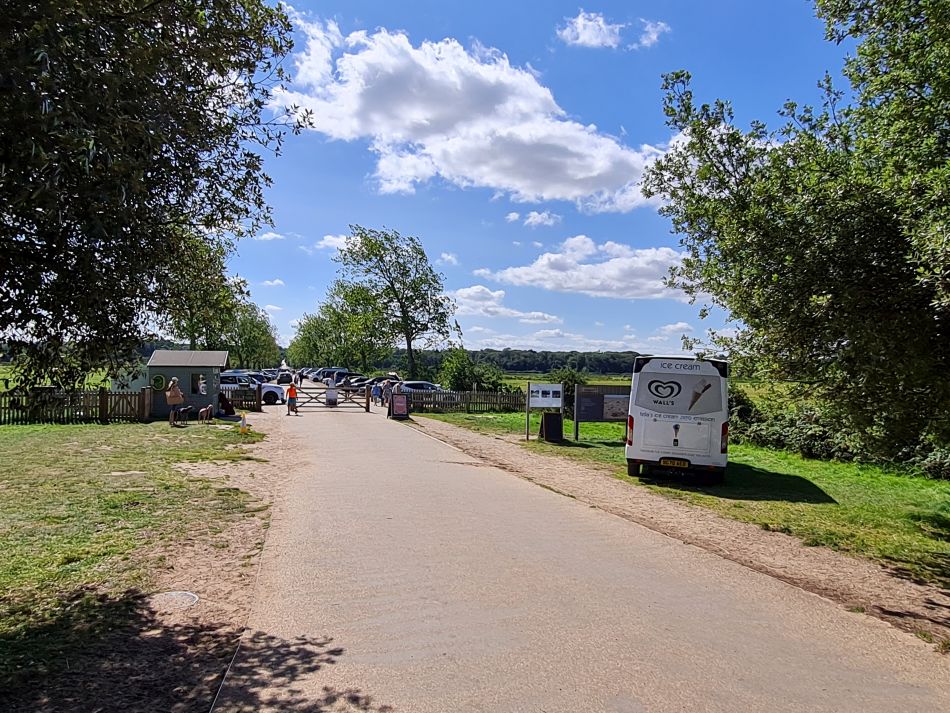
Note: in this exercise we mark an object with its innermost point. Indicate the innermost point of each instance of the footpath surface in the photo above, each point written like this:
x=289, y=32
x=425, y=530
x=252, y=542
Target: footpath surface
x=402, y=574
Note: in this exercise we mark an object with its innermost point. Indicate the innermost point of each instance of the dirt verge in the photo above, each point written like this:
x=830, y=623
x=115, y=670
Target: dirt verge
x=859, y=585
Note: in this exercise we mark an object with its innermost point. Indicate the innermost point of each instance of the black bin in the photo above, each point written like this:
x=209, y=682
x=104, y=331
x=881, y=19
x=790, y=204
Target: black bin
x=552, y=427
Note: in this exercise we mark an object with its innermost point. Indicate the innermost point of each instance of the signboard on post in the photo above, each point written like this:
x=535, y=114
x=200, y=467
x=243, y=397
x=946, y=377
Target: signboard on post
x=542, y=396
x=600, y=402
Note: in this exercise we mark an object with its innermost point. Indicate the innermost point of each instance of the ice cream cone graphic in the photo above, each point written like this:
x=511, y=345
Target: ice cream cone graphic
x=676, y=434
x=702, y=386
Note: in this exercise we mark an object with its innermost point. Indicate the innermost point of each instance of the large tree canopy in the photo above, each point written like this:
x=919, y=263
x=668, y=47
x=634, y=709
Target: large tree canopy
x=396, y=270
x=123, y=125
x=826, y=239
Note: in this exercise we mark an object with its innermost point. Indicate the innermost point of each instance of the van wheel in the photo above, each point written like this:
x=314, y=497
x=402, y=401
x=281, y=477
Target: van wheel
x=633, y=469
x=646, y=471
x=270, y=398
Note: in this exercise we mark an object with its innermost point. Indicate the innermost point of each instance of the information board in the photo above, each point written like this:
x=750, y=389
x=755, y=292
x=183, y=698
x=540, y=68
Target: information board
x=545, y=395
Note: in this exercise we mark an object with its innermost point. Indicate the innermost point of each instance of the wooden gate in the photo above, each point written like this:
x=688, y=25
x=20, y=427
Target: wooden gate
x=314, y=396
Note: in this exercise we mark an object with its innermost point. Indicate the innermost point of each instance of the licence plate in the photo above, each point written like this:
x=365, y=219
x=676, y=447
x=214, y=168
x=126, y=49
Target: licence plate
x=674, y=462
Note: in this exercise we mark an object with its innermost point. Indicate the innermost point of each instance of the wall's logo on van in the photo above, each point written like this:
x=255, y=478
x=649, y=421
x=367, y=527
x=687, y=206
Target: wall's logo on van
x=664, y=389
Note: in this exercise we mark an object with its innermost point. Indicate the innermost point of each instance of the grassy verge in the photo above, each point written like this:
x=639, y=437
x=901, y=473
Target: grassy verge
x=890, y=516
x=84, y=513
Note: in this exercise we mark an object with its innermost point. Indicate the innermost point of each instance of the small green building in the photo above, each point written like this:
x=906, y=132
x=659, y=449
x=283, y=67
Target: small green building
x=198, y=372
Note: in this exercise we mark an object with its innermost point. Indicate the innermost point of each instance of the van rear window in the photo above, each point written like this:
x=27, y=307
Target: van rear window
x=680, y=394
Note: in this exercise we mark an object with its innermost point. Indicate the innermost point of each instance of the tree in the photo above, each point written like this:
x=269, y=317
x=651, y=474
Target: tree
x=460, y=373
x=349, y=328
x=396, y=270
x=123, y=125
x=251, y=339
x=900, y=77
x=793, y=233
x=208, y=303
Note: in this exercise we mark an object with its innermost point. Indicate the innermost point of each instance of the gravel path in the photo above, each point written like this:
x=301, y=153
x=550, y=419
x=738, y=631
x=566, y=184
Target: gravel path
x=853, y=582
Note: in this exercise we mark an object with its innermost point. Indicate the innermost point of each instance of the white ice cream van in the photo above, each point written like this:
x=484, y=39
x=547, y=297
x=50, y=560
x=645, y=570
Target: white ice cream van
x=679, y=416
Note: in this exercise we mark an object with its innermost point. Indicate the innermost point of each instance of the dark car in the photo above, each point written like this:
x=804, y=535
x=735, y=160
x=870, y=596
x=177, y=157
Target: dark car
x=419, y=386
x=285, y=377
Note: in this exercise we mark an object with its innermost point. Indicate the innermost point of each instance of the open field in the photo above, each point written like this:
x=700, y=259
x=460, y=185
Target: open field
x=87, y=514
x=897, y=519
x=520, y=379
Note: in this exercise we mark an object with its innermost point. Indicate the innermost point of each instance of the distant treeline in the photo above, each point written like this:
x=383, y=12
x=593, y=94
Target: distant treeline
x=527, y=360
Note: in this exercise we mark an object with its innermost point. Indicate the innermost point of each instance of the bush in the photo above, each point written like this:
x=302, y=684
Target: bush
x=935, y=462
x=569, y=377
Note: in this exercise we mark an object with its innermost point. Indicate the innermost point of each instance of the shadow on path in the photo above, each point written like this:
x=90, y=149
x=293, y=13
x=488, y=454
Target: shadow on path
x=114, y=653
x=267, y=673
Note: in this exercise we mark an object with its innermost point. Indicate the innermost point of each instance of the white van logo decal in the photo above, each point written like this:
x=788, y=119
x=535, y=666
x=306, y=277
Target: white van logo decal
x=664, y=389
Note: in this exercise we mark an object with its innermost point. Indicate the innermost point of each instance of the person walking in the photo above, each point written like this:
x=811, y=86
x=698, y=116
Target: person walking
x=377, y=394
x=292, y=399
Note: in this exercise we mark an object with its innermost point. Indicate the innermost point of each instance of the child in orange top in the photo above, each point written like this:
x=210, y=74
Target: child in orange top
x=291, y=398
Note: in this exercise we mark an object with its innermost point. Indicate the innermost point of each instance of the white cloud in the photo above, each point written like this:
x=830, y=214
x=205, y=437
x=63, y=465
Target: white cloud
x=448, y=259
x=590, y=29
x=516, y=243
x=273, y=308
x=675, y=329
x=512, y=217
x=606, y=270
x=469, y=117
x=479, y=301
x=327, y=242
x=557, y=339
x=598, y=324
x=651, y=33
x=276, y=282
x=536, y=244
x=269, y=235
x=534, y=219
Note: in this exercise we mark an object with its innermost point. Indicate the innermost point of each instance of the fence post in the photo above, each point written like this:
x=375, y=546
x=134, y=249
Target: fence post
x=257, y=400
x=366, y=392
x=103, y=405
x=143, y=403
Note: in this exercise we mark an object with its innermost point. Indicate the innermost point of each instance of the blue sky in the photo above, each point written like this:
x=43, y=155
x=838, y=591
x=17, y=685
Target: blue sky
x=510, y=138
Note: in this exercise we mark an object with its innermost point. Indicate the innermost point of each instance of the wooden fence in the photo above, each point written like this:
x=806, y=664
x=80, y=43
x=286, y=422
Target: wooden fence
x=245, y=399
x=465, y=401
x=47, y=405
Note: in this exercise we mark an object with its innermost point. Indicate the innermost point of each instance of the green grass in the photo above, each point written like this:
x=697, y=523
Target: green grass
x=86, y=511
x=891, y=516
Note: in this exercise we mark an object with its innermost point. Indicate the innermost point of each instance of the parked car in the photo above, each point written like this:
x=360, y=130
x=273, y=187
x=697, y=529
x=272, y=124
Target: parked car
x=421, y=386
x=379, y=380
x=270, y=394
x=285, y=377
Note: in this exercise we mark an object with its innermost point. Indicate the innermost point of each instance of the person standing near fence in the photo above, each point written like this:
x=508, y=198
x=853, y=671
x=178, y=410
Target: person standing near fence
x=377, y=394
x=292, y=398
x=175, y=398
